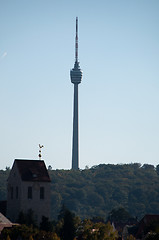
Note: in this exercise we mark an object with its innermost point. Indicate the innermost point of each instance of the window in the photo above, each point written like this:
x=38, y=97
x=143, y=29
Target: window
x=41, y=192
x=29, y=192
x=11, y=192
x=16, y=192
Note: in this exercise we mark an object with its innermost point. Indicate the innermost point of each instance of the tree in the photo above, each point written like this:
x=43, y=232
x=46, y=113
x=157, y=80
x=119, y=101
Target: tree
x=21, y=218
x=118, y=215
x=131, y=237
x=152, y=236
x=68, y=230
x=49, y=167
x=8, y=237
x=157, y=169
x=31, y=238
x=97, y=231
x=62, y=212
x=27, y=218
x=7, y=168
x=18, y=232
x=46, y=225
x=106, y=231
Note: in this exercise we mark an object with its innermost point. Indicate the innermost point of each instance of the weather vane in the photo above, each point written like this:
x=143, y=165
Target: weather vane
x=40, y=147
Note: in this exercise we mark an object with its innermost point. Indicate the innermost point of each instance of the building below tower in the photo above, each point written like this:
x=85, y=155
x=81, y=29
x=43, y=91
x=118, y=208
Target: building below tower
x=28, y=189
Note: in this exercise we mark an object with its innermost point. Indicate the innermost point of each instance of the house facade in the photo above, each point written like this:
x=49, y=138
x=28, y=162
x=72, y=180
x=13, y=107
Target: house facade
x=28, y=188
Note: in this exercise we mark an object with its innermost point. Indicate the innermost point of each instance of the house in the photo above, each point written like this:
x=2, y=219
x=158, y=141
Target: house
x=4, y=222
x=3, y=207
x=28, y=188
x=146, y=225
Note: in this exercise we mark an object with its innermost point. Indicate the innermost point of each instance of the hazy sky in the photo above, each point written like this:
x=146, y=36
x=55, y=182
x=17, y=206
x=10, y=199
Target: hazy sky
x=119, y=93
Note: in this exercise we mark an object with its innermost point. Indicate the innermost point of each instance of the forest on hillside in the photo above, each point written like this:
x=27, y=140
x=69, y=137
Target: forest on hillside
x=96, y=191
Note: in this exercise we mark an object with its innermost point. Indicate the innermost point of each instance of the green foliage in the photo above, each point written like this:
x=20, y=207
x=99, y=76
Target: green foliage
x=31, y=238
x=8, y=237
x=67, y=224
x=96, y=191
x=27, y=233
x=46, y=225
x=152, y=227
x=27, y=218
x=119, y=215
x=131, y=237
x=22, y=230
x=42, y=235
x=96, y=231
x=72, y=228
x=152, y=236
x=157, y=169
x=68, y=229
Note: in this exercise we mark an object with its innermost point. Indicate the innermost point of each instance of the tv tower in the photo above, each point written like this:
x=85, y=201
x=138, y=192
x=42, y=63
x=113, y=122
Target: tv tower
x=76, y=77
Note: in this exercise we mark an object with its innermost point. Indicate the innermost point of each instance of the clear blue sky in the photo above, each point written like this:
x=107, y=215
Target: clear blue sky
x=119, y=93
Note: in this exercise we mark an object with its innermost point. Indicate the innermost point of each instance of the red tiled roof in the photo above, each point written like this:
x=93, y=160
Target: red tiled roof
x=32, y=170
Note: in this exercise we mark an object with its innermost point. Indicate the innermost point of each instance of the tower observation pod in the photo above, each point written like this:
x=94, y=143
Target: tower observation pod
x=76, y=77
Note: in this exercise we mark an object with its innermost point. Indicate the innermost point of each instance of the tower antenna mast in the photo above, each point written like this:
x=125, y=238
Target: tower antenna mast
x=76, y=41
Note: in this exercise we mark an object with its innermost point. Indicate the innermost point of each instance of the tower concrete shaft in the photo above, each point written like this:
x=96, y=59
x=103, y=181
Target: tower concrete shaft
x=76, y=77
x=75, y=143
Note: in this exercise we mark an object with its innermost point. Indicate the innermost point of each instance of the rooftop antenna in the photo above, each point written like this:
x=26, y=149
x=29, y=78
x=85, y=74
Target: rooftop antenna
x=40, y=147
x=76, y=41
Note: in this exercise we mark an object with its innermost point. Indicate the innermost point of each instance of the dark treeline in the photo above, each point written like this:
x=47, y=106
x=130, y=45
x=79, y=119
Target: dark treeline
x=67, y=227
x=119, y=225
x=98, y=190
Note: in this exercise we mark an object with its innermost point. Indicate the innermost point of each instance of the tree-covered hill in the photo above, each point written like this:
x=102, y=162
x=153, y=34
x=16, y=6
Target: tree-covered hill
x=96, y=191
